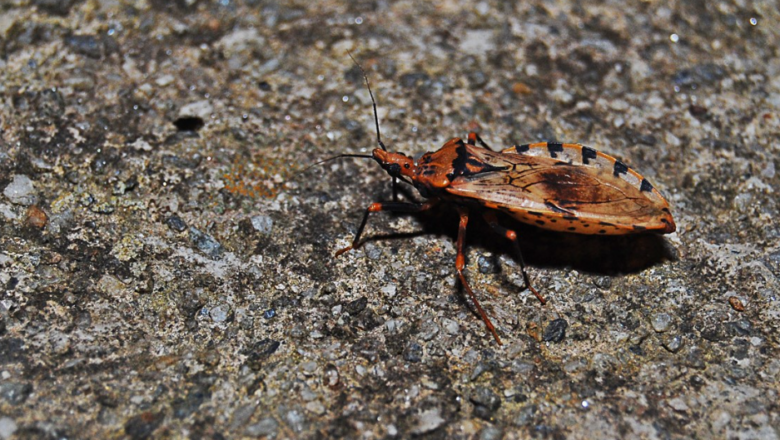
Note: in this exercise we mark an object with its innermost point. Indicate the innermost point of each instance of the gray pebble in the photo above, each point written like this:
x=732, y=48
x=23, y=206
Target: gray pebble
x=262, y=224
x=603, y=282
x=372, y=251
x=413, y=352
x=200, y=109
x=525, y=416
x=428, y=330
x=85, y=44
x=673, y=343
x=20, y=191
x=143, y=425
x=242, y=414
x=450, y=326
x=295, y=419
x=490, y=432
x=555, y=331
x=205, y=243
x=478, y=370
x=7, y=427
x=661, y=322
x=15, y=393
x=485, y=401
x=428, y=421
x=488, y=264
x=220, y=313
x=266, y=427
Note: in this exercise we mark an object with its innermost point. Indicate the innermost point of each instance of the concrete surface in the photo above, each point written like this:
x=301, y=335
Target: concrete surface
x=166, y=259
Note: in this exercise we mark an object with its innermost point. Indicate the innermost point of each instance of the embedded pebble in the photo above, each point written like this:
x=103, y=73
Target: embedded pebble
x=555, y=330
x=428, y=330
x=602, y=282
x=490, y=432
x=315, y=407
x=485, y=401
x=242, y=414
x=295, y=419
x=488, y=264
x=736, y=304
x=143, y=425
x=450, y=326
x=266, y=427
x=525, y=416
x=413, y=352
x=15, y=393
x=428, y=421
x=36, y=217
x=87, y=45
x=678, y=404
x=20, y=191
x=309, y=367
x=674, y=343
x=220, y=313
x=661, y=322
x=8, y=212
x=175, y=223
x=7, y=427
x=389, y=290
x=478, y=370
x=262, y=224
x=205, y=243
x=372, y=251
x=199, y=109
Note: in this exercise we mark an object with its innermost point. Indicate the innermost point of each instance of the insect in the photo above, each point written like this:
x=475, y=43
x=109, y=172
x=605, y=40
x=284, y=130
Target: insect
x=555, y=186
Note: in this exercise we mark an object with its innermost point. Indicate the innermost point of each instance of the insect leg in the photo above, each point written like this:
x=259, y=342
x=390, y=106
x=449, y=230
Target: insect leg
x=474, y=139
x=460, y=264
x=386, y=206
x=490, y=218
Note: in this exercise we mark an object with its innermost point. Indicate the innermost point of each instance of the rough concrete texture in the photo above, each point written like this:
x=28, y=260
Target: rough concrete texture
x=167, y=261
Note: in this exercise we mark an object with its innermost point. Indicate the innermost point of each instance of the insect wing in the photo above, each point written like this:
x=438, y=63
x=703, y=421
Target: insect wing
x=556, y=195
x=581, y=155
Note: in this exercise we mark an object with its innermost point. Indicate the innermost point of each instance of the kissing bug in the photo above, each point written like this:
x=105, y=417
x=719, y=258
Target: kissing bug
x=551, y=185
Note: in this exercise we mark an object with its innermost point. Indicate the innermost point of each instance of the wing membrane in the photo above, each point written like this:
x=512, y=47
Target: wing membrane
x=559, y=195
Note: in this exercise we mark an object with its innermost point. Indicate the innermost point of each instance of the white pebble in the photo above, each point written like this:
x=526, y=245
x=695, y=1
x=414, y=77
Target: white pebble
x=20, y=191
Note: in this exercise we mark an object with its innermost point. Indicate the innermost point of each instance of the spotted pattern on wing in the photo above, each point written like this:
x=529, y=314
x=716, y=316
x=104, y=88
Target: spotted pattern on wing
x=577, y=154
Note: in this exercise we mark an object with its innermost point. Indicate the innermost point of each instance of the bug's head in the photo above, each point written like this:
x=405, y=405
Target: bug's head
x=396, y=164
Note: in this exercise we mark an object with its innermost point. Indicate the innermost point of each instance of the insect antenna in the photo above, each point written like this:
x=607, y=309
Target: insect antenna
x=376, y=118
x=373, y=102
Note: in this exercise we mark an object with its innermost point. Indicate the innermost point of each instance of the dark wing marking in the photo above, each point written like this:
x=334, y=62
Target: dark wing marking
x=543, y=185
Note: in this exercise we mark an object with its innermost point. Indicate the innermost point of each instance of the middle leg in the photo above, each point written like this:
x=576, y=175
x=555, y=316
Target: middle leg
x=460, y=264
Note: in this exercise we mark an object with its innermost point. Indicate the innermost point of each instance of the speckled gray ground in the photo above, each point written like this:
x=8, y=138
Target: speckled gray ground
x=167, y=265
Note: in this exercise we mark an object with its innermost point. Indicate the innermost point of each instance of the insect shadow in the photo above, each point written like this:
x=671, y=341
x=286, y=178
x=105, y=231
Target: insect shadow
x=593, y=254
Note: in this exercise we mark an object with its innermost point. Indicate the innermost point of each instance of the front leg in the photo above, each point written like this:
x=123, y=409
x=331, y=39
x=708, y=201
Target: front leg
x=386, y=206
